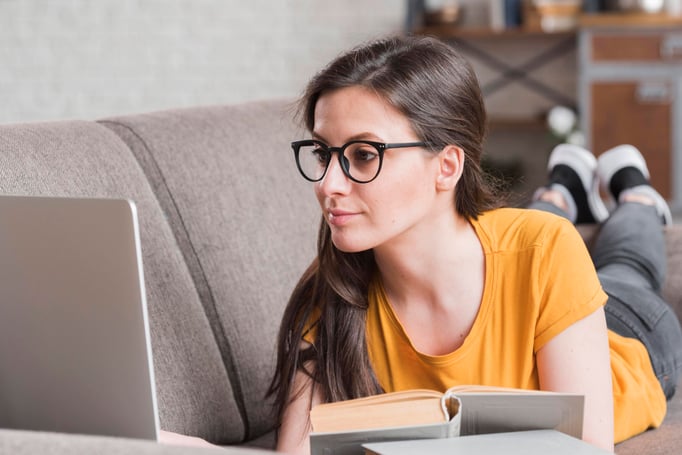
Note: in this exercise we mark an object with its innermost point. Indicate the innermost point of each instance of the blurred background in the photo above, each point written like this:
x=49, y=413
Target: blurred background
x=92, y=58
x=89, y=59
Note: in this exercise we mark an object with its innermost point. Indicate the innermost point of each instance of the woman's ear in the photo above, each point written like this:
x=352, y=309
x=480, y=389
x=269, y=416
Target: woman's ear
x=451, y=161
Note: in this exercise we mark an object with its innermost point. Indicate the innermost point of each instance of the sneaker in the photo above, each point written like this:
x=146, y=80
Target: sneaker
x=623, y=170
x=573, y=168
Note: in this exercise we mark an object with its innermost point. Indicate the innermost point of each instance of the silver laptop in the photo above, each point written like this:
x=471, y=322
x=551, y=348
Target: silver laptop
x=75, y=353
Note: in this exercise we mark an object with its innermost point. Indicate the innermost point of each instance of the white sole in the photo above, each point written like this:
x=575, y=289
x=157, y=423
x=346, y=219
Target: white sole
x=615, y=159
x=584, y=164
x=626, y=155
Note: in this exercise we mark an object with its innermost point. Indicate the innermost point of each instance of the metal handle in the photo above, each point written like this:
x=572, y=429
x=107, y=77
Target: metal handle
x=653, y=93
x=671, y=47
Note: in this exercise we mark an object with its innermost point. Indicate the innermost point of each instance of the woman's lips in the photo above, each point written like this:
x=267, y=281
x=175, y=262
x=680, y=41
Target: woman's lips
x=339, y=217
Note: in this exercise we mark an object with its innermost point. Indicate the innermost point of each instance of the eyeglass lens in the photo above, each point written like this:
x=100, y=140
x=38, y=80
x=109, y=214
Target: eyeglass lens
x=360, y=160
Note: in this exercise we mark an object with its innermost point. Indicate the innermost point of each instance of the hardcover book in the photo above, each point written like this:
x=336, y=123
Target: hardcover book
x=342, y=428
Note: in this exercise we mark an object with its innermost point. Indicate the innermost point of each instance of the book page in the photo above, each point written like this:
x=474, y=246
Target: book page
x=467, y=388
x=369, y=414
x=501, y=412
x=402, y=395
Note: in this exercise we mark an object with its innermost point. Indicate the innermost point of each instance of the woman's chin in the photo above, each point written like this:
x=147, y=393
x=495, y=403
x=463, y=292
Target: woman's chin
x=348, y=246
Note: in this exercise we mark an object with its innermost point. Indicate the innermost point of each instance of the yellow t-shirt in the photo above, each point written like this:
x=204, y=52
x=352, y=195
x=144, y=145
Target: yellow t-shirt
x=539, y=280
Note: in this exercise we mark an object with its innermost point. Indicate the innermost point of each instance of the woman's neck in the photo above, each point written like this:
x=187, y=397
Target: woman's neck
x=428, y=265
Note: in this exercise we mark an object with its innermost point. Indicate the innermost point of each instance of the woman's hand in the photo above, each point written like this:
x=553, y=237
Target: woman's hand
x=176, y=439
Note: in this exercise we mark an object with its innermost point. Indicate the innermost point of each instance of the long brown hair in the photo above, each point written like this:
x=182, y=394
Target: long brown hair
x=437, y=90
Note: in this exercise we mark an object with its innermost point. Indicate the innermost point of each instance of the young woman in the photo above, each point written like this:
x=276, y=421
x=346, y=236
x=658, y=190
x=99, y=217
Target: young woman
x=422, y=282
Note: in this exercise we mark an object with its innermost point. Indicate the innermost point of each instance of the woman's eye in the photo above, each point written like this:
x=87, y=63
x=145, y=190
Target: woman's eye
x=360, y=155
x=321, y=155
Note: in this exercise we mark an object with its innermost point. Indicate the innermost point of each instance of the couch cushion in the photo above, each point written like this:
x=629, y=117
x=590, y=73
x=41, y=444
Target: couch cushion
x=673, y=285
x=86, y=159
x=244, y=218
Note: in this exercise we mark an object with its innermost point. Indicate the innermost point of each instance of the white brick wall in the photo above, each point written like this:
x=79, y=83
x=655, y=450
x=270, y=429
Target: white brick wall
x=94, y=58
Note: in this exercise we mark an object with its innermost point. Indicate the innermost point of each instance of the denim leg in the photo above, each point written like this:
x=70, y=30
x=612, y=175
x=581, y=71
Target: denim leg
x=639, y=313
x=631, y=243
x=547, y=207
x=629, y=254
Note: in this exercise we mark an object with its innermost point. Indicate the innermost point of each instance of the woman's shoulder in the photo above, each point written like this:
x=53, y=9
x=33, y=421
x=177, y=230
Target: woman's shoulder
x=506, y=228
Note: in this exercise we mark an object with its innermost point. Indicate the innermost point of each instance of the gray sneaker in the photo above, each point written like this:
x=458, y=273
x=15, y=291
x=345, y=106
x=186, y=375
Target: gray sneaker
x=574, y=167
x=622, y=170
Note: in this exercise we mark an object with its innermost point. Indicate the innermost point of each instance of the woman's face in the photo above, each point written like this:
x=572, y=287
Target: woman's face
x=394, y=205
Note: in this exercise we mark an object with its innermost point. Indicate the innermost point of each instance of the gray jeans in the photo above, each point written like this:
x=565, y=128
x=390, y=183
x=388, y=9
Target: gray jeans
x=629, y=255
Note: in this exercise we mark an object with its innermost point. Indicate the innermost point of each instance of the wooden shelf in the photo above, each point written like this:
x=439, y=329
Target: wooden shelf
x=584, y=20
x=454, y=31
x=516, y=124
x=629, y=20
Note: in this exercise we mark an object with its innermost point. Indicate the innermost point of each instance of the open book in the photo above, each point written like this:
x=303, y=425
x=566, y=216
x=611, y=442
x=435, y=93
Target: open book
x=341, y=428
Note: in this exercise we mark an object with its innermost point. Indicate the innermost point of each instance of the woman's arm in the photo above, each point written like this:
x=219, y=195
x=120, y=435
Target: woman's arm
x=578, y=360
x=293, y=433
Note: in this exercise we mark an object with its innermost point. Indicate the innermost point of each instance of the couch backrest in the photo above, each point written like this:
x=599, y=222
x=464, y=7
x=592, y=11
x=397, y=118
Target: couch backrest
x=227, y=227
x=245, y=223
x=86, y=159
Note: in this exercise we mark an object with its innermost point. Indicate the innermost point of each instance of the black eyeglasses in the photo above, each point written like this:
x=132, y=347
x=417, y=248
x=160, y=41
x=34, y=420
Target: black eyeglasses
x=360, y=160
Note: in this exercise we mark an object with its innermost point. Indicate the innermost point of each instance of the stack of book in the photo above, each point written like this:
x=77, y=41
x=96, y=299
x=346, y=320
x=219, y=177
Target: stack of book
x=342, y=428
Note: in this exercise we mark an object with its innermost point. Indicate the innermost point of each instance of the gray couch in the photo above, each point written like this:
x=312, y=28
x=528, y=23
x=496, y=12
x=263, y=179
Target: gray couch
x=227, y=226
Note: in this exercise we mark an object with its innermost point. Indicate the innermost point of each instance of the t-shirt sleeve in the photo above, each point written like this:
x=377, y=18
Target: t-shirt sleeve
x=568, y=285
x=310, y=330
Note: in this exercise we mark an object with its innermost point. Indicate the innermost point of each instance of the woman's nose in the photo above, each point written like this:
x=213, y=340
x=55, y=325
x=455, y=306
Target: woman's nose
x=334, y=180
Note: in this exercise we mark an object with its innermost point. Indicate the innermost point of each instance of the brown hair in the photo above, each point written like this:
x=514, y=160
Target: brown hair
x=437, y=90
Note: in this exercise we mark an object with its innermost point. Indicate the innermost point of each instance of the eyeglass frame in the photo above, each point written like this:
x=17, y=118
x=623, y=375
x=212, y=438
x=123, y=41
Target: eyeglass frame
x=380, y=147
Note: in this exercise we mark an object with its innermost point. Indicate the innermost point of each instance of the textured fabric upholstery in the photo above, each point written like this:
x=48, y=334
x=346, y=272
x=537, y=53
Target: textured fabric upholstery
x=32, y=443
x=87, y=159
x=673, y=285
x=245, y=222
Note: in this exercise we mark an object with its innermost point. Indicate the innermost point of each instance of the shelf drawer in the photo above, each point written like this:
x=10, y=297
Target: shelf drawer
x=638, y=113
x=637, y=47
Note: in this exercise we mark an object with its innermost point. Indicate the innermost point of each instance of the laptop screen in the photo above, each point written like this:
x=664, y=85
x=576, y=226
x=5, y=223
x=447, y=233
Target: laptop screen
x=75, y=353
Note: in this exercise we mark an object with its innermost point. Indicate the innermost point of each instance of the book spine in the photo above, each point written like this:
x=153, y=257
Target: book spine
x=512, y=13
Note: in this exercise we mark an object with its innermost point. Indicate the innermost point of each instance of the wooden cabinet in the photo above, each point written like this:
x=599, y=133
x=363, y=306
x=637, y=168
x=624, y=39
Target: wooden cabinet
x=630, y=92
x=624, y=112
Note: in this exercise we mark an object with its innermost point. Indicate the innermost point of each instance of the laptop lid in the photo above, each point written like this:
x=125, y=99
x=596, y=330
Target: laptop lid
x=75, y=352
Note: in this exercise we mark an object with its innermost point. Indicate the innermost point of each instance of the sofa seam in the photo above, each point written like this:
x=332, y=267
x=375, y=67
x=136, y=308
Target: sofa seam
x=209, y=307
